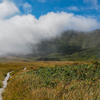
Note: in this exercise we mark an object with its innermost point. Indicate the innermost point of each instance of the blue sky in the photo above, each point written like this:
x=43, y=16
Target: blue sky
x=26, y=22
x=78, y=7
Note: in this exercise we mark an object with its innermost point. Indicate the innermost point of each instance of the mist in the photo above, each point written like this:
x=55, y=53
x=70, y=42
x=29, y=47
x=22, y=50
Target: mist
x=18, y=32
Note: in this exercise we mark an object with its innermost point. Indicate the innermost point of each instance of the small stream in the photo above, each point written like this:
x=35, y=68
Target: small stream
x=4, y=84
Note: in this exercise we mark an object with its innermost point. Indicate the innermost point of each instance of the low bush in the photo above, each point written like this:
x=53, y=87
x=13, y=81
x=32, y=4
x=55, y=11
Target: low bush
x=78, y=82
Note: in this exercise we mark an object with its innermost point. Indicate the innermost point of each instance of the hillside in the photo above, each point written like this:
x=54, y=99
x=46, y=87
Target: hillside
x=71, y=45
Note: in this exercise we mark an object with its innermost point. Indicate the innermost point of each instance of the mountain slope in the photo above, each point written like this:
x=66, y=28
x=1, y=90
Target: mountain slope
x=71, y=45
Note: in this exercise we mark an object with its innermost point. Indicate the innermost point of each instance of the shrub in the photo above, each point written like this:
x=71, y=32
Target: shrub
x=95, y=62
x=75, y=63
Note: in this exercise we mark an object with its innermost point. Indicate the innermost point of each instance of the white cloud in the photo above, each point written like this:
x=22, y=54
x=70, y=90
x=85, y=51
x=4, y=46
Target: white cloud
x=73, y=8
x=7, y=9
x=42, y=0
x=18, y=32
x=27, y=8
x=97, y=7
x=93, y=2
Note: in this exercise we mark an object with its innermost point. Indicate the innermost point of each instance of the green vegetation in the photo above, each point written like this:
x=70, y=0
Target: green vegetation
x=70, y=46
x=62, y=81
x=66, y=68
x=18, y=65
x=67, y=74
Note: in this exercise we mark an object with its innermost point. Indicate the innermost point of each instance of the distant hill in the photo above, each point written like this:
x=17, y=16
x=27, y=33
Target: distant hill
x=71, y=45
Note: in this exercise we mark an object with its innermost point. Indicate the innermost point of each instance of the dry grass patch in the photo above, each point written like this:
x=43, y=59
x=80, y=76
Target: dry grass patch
x=23, y=86
x=1, y=84
x=22, y=89
x=55, y=83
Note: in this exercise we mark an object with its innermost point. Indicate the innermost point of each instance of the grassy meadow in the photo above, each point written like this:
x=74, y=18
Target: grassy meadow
x=51, y=80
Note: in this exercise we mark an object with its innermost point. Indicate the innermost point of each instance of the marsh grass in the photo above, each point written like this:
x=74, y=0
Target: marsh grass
x=19, y=64
x=38, y=82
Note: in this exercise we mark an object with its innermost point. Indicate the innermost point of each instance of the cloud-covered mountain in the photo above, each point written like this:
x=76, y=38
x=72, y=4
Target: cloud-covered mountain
x=19, y=31
x=71, y=45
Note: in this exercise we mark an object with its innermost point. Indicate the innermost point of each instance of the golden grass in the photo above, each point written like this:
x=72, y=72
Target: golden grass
x=20, y=88
x=1, y=84
x=30, y=65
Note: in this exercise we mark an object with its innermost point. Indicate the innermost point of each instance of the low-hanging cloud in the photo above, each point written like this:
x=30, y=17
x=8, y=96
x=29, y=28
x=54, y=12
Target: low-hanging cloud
x=20, y=31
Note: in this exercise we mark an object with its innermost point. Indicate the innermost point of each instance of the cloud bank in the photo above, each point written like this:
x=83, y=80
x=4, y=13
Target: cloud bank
x=20, y=31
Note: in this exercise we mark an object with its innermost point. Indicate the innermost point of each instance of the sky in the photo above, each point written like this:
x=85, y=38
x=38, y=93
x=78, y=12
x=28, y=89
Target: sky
x=86, y=8
x=26, y=22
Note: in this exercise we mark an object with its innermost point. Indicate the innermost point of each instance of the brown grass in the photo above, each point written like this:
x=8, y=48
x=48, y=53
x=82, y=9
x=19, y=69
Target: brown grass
x=20, y=88
x=16, y=66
